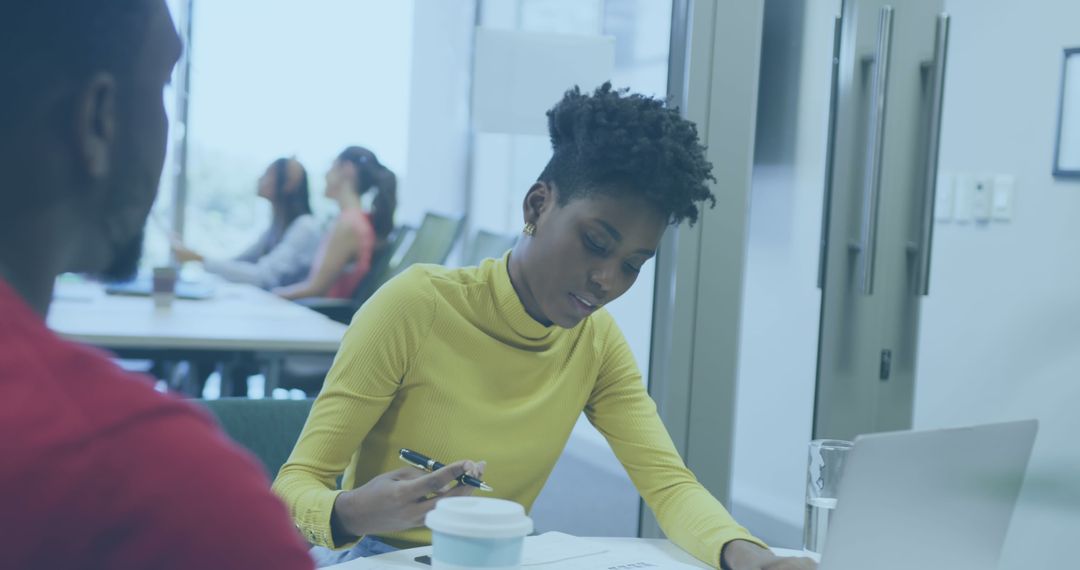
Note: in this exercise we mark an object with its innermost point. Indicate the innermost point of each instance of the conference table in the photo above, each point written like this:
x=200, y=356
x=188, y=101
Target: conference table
x=657, y=552
x=237, y=323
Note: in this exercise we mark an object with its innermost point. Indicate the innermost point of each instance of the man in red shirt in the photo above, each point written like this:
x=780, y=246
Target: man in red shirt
x=97, y=470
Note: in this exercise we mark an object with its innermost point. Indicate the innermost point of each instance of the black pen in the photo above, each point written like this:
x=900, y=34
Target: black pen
x=421, y=461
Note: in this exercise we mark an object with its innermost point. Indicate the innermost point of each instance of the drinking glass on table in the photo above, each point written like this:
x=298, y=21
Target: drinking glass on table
x=163, y=286
x=825, y=466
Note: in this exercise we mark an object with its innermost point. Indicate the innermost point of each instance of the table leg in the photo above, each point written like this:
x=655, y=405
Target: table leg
x=226, y=371
x=273, y=368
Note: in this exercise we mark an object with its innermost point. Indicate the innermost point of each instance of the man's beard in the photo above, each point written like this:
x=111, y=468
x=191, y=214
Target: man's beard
x=125, y=260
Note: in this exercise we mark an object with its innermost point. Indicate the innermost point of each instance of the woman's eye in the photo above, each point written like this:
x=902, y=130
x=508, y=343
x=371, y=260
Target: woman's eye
x=633, y=268
x=593, y=245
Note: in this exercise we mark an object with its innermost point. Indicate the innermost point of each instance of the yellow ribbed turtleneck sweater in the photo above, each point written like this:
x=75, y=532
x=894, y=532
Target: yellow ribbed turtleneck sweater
x=447, y=362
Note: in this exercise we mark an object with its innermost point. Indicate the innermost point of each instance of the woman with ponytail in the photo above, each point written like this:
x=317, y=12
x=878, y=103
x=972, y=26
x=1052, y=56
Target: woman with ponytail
x=345, y=255
x=283, y=254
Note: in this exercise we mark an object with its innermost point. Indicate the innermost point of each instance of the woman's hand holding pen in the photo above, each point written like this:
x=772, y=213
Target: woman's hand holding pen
x=398, y=500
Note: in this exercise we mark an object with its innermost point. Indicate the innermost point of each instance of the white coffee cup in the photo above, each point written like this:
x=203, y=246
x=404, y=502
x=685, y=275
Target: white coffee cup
x=477, y=532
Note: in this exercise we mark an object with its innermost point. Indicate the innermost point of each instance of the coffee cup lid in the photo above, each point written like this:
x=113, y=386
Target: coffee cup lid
x=479, y=517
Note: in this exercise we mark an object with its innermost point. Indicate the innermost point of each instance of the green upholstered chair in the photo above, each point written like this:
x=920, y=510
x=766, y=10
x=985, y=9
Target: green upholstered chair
x=267, y=428
x=431, y=243
x=486, y=245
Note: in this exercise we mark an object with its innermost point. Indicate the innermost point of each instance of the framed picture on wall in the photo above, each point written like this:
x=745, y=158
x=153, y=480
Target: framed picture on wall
x=1067, y=149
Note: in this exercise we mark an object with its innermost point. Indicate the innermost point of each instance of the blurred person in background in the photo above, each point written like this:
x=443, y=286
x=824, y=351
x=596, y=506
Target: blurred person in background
x=284, y=253
x=345, y=255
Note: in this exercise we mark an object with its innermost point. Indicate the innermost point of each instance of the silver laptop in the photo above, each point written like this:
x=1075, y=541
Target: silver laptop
x=930, y=500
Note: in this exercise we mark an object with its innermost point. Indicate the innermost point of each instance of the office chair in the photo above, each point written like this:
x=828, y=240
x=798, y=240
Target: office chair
x=267, y=428
x=486, y=245
x=342, y=310
x=432, y=242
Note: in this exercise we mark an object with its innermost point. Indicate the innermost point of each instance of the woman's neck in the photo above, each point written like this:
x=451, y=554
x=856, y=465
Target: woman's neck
x=516, y=269
x=279, y=220
x=349, y=199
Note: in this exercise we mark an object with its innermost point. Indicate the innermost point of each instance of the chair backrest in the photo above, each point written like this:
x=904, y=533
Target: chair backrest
x=431, y=243
x=380, y=263
x=485, y=245
x=267, y=428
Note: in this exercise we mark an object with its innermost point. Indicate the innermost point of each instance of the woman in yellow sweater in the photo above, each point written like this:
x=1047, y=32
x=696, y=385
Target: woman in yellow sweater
x=498, y=361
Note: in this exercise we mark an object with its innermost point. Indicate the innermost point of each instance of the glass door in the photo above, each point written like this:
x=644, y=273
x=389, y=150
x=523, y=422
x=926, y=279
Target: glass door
x=781, y=298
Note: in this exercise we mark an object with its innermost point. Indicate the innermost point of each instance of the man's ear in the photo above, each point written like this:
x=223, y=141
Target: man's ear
x=95, y=125
x=539, y=199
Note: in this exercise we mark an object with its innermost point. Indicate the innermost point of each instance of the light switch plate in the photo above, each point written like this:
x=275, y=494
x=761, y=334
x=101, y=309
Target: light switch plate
x=1002, y=204
x=980, y=198
x=964, y=187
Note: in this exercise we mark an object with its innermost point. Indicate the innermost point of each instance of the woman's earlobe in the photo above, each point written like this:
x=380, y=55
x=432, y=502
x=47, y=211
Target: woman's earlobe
x=537, y=200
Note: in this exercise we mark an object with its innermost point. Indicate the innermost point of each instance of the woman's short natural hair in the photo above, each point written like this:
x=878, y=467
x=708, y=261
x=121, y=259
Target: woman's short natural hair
x=620, y=144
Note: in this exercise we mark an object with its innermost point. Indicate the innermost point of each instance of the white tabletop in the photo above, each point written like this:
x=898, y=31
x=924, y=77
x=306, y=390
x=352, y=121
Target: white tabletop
x=238, y=317
x=662, y=548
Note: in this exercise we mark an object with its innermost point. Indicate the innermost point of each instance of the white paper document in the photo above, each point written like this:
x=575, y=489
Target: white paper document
x=551, y=551
x=555, y=550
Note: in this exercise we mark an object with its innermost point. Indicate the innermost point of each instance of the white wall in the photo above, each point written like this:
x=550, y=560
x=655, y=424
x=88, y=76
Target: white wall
x=438, y=110
x=1000, y=332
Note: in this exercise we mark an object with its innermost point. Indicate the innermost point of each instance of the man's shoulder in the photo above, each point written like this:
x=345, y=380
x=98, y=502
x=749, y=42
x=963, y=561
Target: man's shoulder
x=124, y=458
x=60, y=393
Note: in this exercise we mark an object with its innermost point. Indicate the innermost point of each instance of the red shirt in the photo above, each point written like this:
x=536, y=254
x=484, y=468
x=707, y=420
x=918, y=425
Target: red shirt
x=98, y=470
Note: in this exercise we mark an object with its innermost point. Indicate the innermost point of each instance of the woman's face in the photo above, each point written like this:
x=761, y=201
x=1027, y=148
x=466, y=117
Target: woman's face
x=267, y=181
x=585, y=253
x=338, y=178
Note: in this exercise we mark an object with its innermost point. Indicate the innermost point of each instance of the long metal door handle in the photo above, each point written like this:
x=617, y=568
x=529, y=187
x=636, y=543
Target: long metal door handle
x=826, y=199
x=937, y=96
x=872, y=186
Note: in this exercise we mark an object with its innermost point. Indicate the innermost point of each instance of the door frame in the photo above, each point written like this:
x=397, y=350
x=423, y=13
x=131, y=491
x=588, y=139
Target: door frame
x=715, y=52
